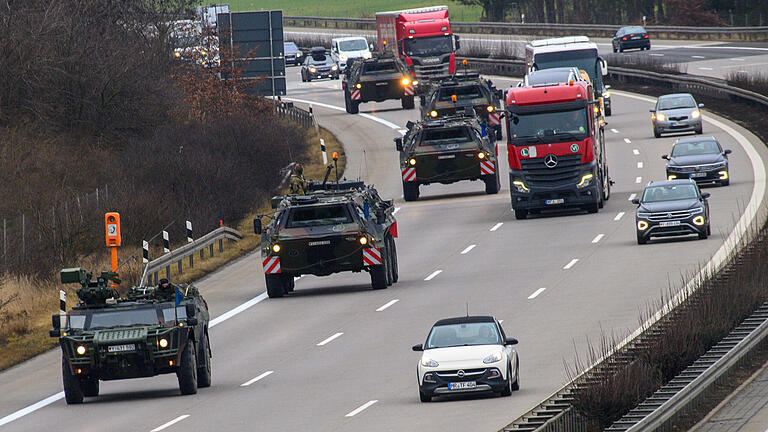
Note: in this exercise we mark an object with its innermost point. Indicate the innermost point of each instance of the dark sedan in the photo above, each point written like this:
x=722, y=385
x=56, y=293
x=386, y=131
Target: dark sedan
x=630, y=38
x=292, y=53
x=701, y=159
x=672, y=208
x=318, y=65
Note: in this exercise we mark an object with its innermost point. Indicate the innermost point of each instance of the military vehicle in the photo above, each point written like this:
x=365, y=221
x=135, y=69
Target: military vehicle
x=449, y=94
x=377, y=79
x=446, y=150
x=151, y=332
x=337, y=227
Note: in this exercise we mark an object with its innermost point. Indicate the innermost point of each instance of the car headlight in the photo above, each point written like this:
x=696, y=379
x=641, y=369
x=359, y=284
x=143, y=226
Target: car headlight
x=81, y=350
x=275, y=248
x=671, y=177
x=367, y=55
x=695, y=114
x=428, y=362
x=586, y=180
x=334, y=67
x=177, y=54
x=698, y=220
x=521, y=187
x=412, y=161
x=723, y=175
x=642, y=225
x=661, y=117
x=313, y=70
x=493, y=358
x=405, y=81
x=163, y=342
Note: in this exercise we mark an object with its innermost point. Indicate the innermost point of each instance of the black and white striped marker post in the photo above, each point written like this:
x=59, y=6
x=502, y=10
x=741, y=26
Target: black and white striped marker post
x=145, y=252
x=166, y=250
x=322, y=149
x=190, y=240
x=62, y=309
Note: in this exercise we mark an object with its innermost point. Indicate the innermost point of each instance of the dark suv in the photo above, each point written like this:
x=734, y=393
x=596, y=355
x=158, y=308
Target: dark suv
x=701, y=159
x=672, y=208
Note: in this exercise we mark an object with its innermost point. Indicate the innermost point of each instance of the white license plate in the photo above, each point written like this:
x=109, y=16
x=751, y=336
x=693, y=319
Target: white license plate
x=636, y=37
x=121, y=348
x=669, y=223
x=382, y=83
x=554, y=201
x=462, y=385
x=447, y=157
x=695, y=175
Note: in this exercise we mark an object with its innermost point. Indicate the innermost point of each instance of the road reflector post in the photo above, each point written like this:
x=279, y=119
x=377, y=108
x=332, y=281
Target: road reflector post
x=322, y=149
x=62, y=309
x=190, y=240
x=166, y=250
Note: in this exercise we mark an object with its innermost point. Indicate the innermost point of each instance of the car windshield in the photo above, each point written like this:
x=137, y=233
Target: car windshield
x=379, y=67
x=479, y=333
x=129, y=317
x=585, y=59
x=353, y=45
x=669, y=193
x=675, y=102
x=557, y=126
x=695, y=148
x=462, y=92
x=318, y=215
x=548, y=76
x=290, y=47
x=170, y=316
x=450, y=135
x=432, y=45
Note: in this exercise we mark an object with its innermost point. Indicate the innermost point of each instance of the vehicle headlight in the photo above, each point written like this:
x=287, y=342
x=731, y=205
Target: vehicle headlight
x=671, y=177
x=493, y=358
x=276, y=248
x=428, y=362
x=177, y=54
x=723, y=175
x=642, y=225
x=80, y=350
x=363, y=240
x=698, y=220
x=489, y=108
x=433, y=113
x=313, y=70
x=695, y=114
x=163, y=342
x=203, y=52
x=661, y=117
x=367, y=55
x=586, y=180
x=606, y=94
x=405, y=81
x=521, y=187
x=334, y=67
x=412, y=161
x=481, y=155
x=358, y=85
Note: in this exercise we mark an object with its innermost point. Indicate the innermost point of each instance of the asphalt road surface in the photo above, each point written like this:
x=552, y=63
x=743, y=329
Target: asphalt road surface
x=335, y=355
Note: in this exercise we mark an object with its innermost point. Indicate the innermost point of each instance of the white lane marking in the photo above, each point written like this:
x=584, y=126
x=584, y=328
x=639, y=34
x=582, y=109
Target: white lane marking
x=598, y=238
x=571, y=264
x=402, y=131
x=32, y=408
x=170, y=423
x=631, y=197
x=468, y=248
x=619, y=216
x=657, y=55
x=737, y=59
x=706, y=68
x=330, y=339
x=697, y=56
x=614, y=131
x=334, y=107
x=497, y=226
x=433, y=275
x=360, y=408
x=636, y=151
x=227, y=315
x=264, y=375
x=397, y=209
x=639, y=164
x=627, y=140
x=388, y=304
x=638, y=179
x=536, y=293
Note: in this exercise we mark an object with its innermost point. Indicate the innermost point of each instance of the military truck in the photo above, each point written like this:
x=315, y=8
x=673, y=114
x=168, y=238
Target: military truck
x=377, y=79
x=338, y=227
x=447, y=150
x=150, y=332
x=452, y=93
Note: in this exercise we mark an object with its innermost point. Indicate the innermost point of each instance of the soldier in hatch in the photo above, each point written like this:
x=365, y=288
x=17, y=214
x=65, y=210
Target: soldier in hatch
x=165, y=290
x=298, y=183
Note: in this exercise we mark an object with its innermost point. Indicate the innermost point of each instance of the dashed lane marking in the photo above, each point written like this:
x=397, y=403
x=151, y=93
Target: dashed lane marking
x=388, y=304
x=359, y=409
x=467, y=249
x=264, y=375
x=619, y=216
x=433, y=275
x=631, y=197
x=497, y=226
x=636, y=152
x=571, y=264
x=598, y=238
x=627, y=140
x=536, y=293
x=170, y=423
x=328, y=340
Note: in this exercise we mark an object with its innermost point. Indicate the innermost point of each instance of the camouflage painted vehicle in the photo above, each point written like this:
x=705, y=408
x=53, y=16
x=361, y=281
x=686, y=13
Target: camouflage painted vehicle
x=344, y=226
x=447, y=150
x=376, y=80
x=455, y=92
x=106, y=337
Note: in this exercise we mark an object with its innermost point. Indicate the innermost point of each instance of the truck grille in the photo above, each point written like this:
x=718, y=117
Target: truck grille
x=537, y=174
x=427, y=72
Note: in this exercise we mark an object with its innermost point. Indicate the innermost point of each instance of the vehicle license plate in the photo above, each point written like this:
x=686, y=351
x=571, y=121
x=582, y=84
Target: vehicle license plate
x=699, y=174
x=382, y=83
x=669, y=223
x=554, y=201
x=121, y=348
x=462, y=385
x=635, y=37
x=447, y=157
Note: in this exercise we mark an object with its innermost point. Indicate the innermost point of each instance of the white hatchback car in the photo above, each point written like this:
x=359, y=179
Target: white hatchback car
x=467, y=354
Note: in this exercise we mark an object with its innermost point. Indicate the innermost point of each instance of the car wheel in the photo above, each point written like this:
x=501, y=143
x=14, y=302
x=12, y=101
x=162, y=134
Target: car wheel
x=656, y=133
x=621, y=49
x=410, y=191
x=274, y=285
x=641, y=240
x=699, y=130
x=521, y=214
x=709, y=229
x=608, y=112
x=424, y=397
x=187, y=372
x=73, y=391
x=614, y=49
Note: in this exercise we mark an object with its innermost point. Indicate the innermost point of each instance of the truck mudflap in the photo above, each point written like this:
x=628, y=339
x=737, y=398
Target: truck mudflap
x=271, y=264
x=355, y=94
x=372, y=256
x=409, y=174
x=487, y=167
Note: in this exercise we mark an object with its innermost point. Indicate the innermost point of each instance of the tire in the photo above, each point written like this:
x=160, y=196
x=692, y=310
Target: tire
x=351, y=106
x=73, y=392
x=521, y=214
x=410, y=191
x=621, y=49
x=699, y=130
x=274, y=285
x=90, y=387
x=492, y=184
x=615, y=50
x=608, y=112
x=387, y=255
x=407, y=102
x=709, y=230
x=424, y=397
x=499, y=135
x=641, y=240
x=601, y=199
x=393, y=261
x=309, y=78
x=379, y=275
x=187, y=372
x=592, y=208
x=290, y=284
x=204, y=370
x=302, y=77
x=656, y=133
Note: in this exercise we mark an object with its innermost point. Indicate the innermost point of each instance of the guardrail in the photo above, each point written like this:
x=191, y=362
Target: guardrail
x=293, y=113
x=189, y=250
x=754, y=34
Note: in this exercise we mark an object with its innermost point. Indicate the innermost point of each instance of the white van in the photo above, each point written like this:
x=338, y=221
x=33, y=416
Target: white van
x=345, y=48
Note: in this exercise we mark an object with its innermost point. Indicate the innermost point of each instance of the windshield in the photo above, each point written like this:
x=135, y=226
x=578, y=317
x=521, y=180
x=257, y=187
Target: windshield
x=379, y=67
x=143, y=316
x=676, y=102
x=445, y=136
x=585, y=59
x=290, y=47
x=428, y=46
x=169, y=316
x=555, y=126
x=548, y=76
x=669, y=193
x=482, y=333
x=695, y=148
x=318, y=215
x=461, y=92
x=353, y=45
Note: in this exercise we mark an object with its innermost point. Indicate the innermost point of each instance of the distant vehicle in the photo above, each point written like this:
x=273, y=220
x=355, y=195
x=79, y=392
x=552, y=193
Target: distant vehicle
x=377, y=79
x=552, y=76
x=346, y=48
x=292, y=53
x=319, y=65
x=465, y=355
x=672, y=208
x=677, y=112
x=192, y=48
x=208, y=15
x=631, y=37
x=701, y=159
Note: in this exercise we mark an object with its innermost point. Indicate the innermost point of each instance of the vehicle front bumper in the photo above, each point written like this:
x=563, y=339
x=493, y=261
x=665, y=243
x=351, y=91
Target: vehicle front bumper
x=541, y=198
x=686, y=227
x=323, y=74
x=710, y=175
x=433, y=383
x=688, y=125
x=449, y=167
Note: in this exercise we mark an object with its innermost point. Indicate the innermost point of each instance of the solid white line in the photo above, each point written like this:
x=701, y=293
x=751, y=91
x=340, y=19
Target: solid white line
x=705, y=68
x=360, y=408
x=330, y=338
x=536, y=293
x=636, y=151
x=657, y=55
x=469, y=248
x=571, y=264
x=639, y=164
x=614, y=131
x=497, y=226
x=619, y=216
x=638, y=179
x=627, y=140
x=598, y=238
x=397, y=209
x=697, y=56
x=433, y=275
x=170, y=423
x=737, y=59
x=334, y=107
x=631, y=197
x=32, y=408
x=249, y=382
x=227, y=315
x=388, y=304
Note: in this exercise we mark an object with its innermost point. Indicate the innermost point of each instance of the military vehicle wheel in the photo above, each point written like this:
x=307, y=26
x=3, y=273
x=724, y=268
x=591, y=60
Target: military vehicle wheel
x=388, y=258
x=351, y=106
x=410, y=191
x=379, y=273
x=492, y=184
x=274, y=285
x=90, y=387
x=204, y=369
x=290, y=283
x=187, y=372
x=408, y=102
x=521, y=214
x=395, y=270
x=73, y=391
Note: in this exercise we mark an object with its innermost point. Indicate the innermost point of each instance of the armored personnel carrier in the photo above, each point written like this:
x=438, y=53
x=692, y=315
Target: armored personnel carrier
x=337, y=227
x=376, y=80
x=152, y=331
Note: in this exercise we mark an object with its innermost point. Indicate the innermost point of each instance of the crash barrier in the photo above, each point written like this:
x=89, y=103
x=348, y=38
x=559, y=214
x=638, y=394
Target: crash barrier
x=293, y=113
x=754, y=34
x=218, y=235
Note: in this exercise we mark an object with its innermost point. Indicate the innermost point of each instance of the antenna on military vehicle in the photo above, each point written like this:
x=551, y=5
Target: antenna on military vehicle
x=327, y=174
x=336, y=164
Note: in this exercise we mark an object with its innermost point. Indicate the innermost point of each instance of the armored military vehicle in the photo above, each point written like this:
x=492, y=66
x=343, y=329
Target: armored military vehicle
x=338, y=227
x=447, y=150
x=153, y=331
x=446, y=96
x=376, y=80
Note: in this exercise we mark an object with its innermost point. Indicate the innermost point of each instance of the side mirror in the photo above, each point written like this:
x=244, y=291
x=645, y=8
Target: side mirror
x=190, y=310
x=653, y=110
x=727, y=151
x=257, y=226
x=458, y=42
x=603, y=66
x=418, y=347
x=636, y=201
x=701, y=105
x=56, y=322
x=665, y=157
x=706, y=195
x=399, y=144
x=510, y=341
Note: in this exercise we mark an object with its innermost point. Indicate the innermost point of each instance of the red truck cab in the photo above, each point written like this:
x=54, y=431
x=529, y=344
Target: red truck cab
x=421, y=37
x=556, y=149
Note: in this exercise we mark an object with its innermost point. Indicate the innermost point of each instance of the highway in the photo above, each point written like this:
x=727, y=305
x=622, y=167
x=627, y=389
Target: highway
x=335, y=355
